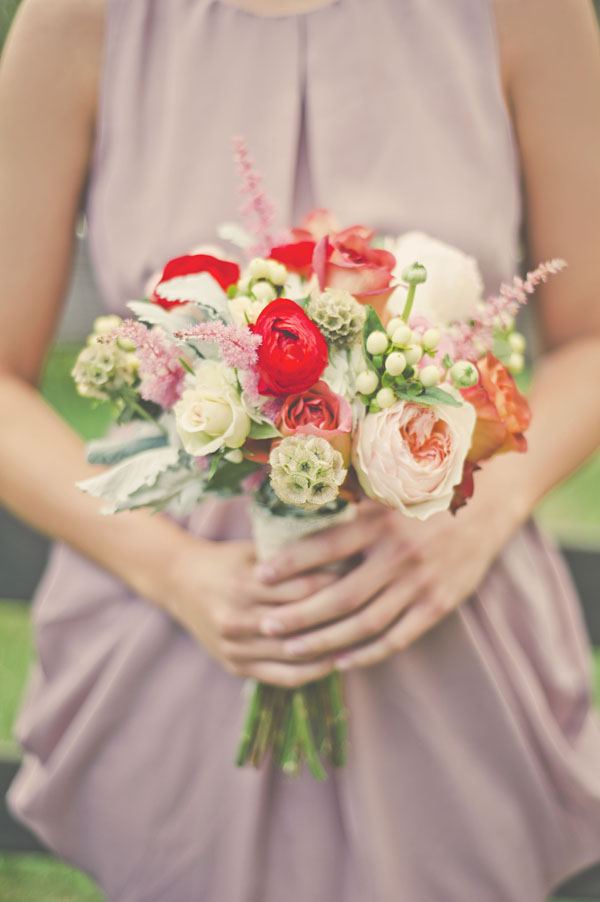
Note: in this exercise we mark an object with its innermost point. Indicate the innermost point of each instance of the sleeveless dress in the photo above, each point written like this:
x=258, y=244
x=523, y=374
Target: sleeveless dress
x=474, y=769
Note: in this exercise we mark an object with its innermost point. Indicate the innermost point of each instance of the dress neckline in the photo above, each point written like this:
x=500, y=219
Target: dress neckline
x=270, y=9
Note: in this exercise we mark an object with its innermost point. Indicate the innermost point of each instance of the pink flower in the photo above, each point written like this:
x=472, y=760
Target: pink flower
x=318, y=411
x=410, y=456
x=238, y=347
x=347, y=260
x=159, y=367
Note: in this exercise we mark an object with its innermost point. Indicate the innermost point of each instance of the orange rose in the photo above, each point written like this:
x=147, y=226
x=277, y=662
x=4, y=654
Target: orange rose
x=503, y=415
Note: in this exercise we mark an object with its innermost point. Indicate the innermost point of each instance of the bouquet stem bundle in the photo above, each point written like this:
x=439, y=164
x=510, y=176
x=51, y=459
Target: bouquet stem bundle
x=308, y=724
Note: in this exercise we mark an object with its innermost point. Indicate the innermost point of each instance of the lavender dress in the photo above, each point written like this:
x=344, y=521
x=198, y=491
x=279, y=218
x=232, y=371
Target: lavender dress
x=474, y=770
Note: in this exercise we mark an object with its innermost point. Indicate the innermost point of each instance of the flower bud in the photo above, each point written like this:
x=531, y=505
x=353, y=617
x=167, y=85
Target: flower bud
x=413, y=354
x=367, y=382
x=517, y=342
x=234, y=457
x=264, y=292
x=464, y=374
x=277, y=272
x=516, y=363
x=243, y=286
x=385, y=397
x=394, y=324
x=395, y=364
x=259, y=268
x=104, y=324
x=377, y=343
x=430, y=375
x=402, y=336
x=431, y=339
x=414, y=274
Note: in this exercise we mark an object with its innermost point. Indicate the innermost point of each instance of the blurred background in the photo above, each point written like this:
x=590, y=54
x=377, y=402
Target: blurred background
x=571, y=514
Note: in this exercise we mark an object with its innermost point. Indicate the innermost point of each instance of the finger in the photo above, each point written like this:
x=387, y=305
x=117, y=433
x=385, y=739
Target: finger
x=290, y=590
x=290, y=676
x=325, y=547
x=348, y=594
x=414, y=623
x=373, y=619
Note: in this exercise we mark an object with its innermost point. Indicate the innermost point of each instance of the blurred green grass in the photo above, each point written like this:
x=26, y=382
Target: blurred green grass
x=36, y=877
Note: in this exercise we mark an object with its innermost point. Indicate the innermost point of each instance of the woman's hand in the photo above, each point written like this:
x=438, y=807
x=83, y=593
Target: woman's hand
x=213, y=590
x=413, y=574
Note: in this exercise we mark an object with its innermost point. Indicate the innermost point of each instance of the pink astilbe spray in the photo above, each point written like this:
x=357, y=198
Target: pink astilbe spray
x=473, y=338
x=238, y=347
x=159, y=367
x=257, y=209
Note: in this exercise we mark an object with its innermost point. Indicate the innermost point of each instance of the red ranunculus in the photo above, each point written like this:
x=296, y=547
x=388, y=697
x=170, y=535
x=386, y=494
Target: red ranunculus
x=293, y=353
x=347, y=260
x=224, y=272
x=318, y=411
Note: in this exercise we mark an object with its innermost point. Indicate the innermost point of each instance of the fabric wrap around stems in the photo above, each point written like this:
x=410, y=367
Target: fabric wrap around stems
x=308, y=723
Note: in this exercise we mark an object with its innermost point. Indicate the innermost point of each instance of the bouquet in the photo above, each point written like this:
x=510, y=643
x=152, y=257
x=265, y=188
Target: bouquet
x=332, y=364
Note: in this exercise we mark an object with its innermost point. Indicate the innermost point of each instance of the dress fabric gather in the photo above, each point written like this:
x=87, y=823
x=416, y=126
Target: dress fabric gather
x=473, y=768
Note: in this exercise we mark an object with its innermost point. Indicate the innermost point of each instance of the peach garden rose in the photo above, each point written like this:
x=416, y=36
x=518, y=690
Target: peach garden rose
x=410, y=456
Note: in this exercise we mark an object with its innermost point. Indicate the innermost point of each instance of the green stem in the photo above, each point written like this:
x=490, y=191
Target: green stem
x=249, y=725
x=409, y=301
x=305, y=737
x=146, y=416
x=265, y=717
x=340, y=720
x=290, y=759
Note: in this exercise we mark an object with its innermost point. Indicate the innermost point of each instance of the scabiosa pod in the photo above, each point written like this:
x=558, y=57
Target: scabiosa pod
x=338, y=315
x=103, y=370
x=306, y=471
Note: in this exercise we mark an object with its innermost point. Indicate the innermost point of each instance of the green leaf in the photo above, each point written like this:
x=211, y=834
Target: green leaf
x=411, y=391
x=435, y=395
x=263, y=430
x=447, y=361
x=372, y=324
x=227, y=477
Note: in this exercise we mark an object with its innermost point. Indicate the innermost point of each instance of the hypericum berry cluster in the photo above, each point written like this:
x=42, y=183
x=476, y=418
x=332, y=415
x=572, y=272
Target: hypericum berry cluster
x=395, y=358
x=262, y=283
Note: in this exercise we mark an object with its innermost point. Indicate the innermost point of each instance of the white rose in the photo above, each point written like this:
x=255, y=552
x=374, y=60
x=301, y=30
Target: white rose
x=454, y=285
x=410, y=456
x=210, y=415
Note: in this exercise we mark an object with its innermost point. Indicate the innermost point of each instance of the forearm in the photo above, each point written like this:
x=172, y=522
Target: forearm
x=41, y=458
x=565, y=431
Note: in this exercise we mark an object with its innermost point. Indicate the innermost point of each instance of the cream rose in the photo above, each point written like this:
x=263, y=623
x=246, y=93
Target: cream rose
x=211, y=416
x=410, y=456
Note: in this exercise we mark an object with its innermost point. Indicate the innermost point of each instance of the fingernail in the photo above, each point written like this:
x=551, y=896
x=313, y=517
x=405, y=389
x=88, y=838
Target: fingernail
x=271, y=627
x=295, y=647
x=265, y=573
x=343, y=663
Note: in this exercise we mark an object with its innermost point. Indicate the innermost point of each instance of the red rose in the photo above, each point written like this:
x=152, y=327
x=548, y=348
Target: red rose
x=293, y=353
x=348, y=261
x=318, y=411
x=503, y=413
x=224, y=272
x=296, y=257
